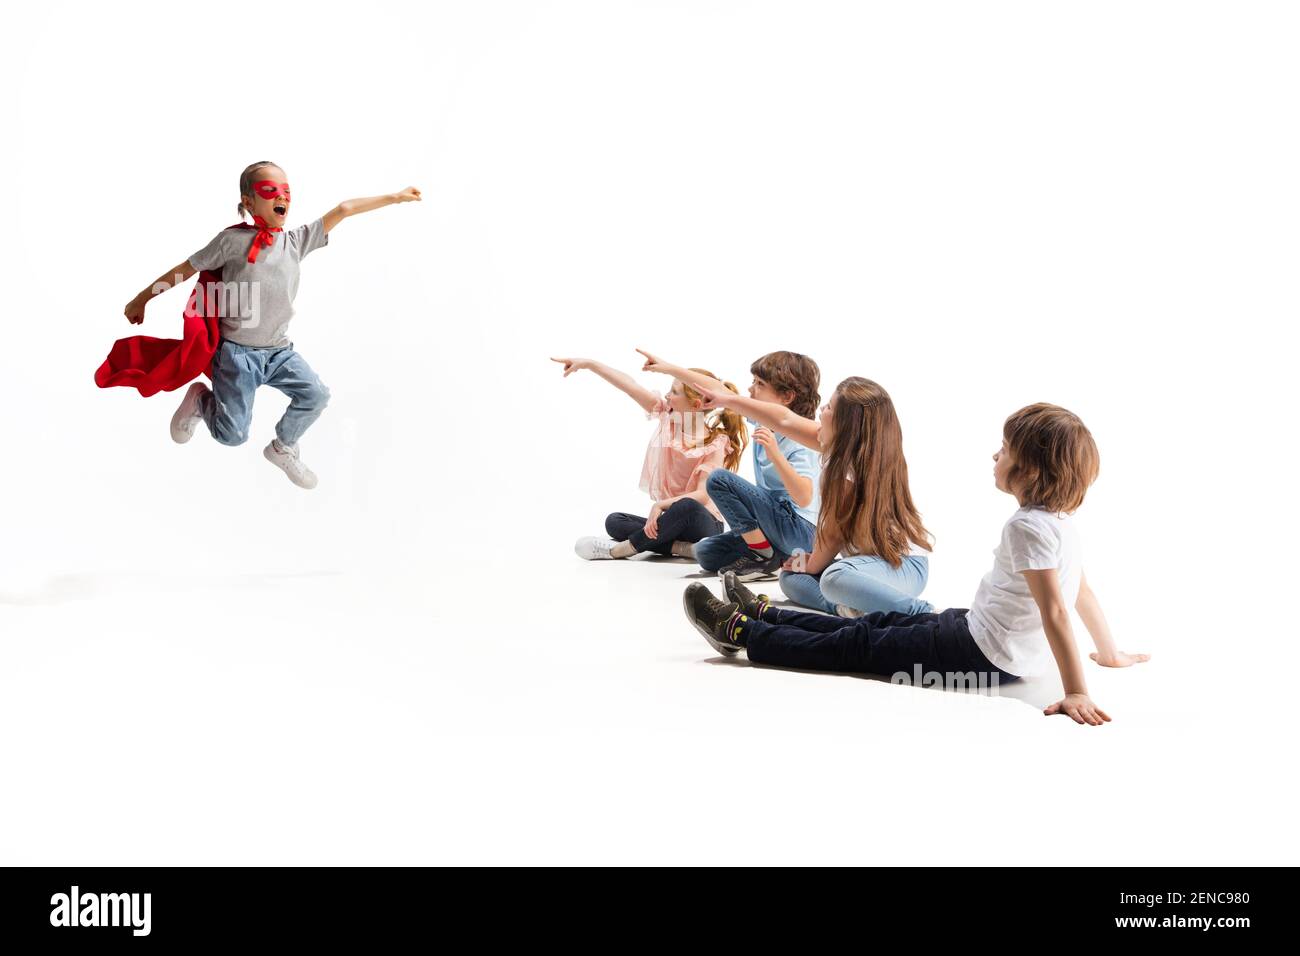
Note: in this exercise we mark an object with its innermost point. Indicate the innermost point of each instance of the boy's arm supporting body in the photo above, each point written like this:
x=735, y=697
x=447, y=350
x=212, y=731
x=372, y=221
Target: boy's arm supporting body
x=1107, y=654
x=1045, y=586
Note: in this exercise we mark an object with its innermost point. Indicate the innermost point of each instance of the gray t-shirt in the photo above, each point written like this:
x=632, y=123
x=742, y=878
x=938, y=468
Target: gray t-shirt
x=255, y=299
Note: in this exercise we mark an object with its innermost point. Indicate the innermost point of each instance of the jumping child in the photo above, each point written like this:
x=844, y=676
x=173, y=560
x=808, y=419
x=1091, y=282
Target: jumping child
x=259, y=279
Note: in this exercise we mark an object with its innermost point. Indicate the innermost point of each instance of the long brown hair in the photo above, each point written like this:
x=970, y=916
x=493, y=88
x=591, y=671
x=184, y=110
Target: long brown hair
x=866, y=502
x=1053, y=457
x=723, y=421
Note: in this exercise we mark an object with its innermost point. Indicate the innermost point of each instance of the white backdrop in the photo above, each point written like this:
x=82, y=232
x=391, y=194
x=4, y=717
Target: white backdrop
x=977, y=205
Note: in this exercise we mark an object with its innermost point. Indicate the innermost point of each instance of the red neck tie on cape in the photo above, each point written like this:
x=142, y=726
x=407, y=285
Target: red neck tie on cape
x=265, y=237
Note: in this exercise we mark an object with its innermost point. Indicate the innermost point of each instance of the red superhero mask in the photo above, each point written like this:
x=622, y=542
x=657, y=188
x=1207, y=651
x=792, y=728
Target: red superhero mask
x=267, y=189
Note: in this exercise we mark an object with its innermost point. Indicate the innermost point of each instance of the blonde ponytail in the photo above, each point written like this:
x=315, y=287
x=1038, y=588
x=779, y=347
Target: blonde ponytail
x=724, y=421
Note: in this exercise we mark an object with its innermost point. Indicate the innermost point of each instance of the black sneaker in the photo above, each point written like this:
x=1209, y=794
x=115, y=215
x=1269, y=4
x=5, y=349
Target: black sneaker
x=751, y=567
x=749, y=603
x=711, y=618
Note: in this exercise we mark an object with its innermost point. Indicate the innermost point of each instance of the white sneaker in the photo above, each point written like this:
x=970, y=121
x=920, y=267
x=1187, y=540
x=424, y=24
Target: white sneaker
x=187, y=415
x=594, y=548
x=843, y=610
x=285, y=457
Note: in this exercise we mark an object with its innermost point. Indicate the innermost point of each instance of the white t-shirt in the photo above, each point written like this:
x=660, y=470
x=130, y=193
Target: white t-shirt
x=1004, y=618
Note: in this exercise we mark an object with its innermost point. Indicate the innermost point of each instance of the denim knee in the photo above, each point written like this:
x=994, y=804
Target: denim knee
x=842, y=583
x=319, y=396
x=719, y=480
x=835, y=582
x=712, y=553
x=228, y=434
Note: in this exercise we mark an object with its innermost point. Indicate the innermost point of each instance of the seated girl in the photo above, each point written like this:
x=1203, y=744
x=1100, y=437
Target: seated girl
x=866, y=505
x=688, y=444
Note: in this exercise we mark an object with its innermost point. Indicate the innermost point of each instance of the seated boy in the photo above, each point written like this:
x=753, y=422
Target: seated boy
x=776, y=514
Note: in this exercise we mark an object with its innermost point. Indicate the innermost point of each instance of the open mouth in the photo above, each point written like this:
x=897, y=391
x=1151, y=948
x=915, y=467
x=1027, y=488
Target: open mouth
x=280, y=210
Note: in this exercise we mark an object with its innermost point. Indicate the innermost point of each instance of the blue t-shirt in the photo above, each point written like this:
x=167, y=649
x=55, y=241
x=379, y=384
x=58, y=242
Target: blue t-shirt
x=805, y=462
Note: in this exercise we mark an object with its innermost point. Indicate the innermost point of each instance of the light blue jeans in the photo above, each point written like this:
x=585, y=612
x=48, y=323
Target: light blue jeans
x=238, y=371
x=864, y=582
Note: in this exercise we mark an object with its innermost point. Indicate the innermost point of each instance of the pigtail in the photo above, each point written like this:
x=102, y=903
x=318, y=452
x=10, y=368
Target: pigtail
x=726, y=421
x=723, y=421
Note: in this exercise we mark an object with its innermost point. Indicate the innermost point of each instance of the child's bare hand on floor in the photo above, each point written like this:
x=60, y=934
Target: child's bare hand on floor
x=1120, y=659
x=1080, y=708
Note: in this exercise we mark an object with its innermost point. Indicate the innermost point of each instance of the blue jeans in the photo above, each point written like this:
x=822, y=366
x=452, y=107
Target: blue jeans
x=238, y=370
x=864, y=582
x=748, y=507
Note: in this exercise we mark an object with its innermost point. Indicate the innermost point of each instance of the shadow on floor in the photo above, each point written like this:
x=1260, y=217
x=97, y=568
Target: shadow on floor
x=64, y=588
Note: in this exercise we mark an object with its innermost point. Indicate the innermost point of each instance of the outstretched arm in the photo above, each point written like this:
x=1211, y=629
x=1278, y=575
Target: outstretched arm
x=696, y=380
x=776, y=417
x=134, y=310
x=1045, y=586
x=1107, y=654
x=351, y=207
x=620, y=380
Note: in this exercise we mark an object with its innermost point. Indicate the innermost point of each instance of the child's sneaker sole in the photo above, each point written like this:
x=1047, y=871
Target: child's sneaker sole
x=717, y=645
x=186, y=417
x=303, y=476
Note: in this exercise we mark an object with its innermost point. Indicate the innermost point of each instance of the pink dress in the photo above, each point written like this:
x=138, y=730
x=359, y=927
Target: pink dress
x=672, y=467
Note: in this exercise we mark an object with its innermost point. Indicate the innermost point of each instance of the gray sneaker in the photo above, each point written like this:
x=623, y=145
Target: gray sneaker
x=751, y=567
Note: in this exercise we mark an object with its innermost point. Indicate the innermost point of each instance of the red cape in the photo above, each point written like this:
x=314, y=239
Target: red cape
x=155, y=365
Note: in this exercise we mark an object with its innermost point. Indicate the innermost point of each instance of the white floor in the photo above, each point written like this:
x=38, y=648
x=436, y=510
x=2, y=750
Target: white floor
x=557, y=711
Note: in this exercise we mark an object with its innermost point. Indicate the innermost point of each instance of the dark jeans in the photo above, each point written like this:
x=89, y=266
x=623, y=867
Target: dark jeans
x=684, y=520
x=884, y=643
